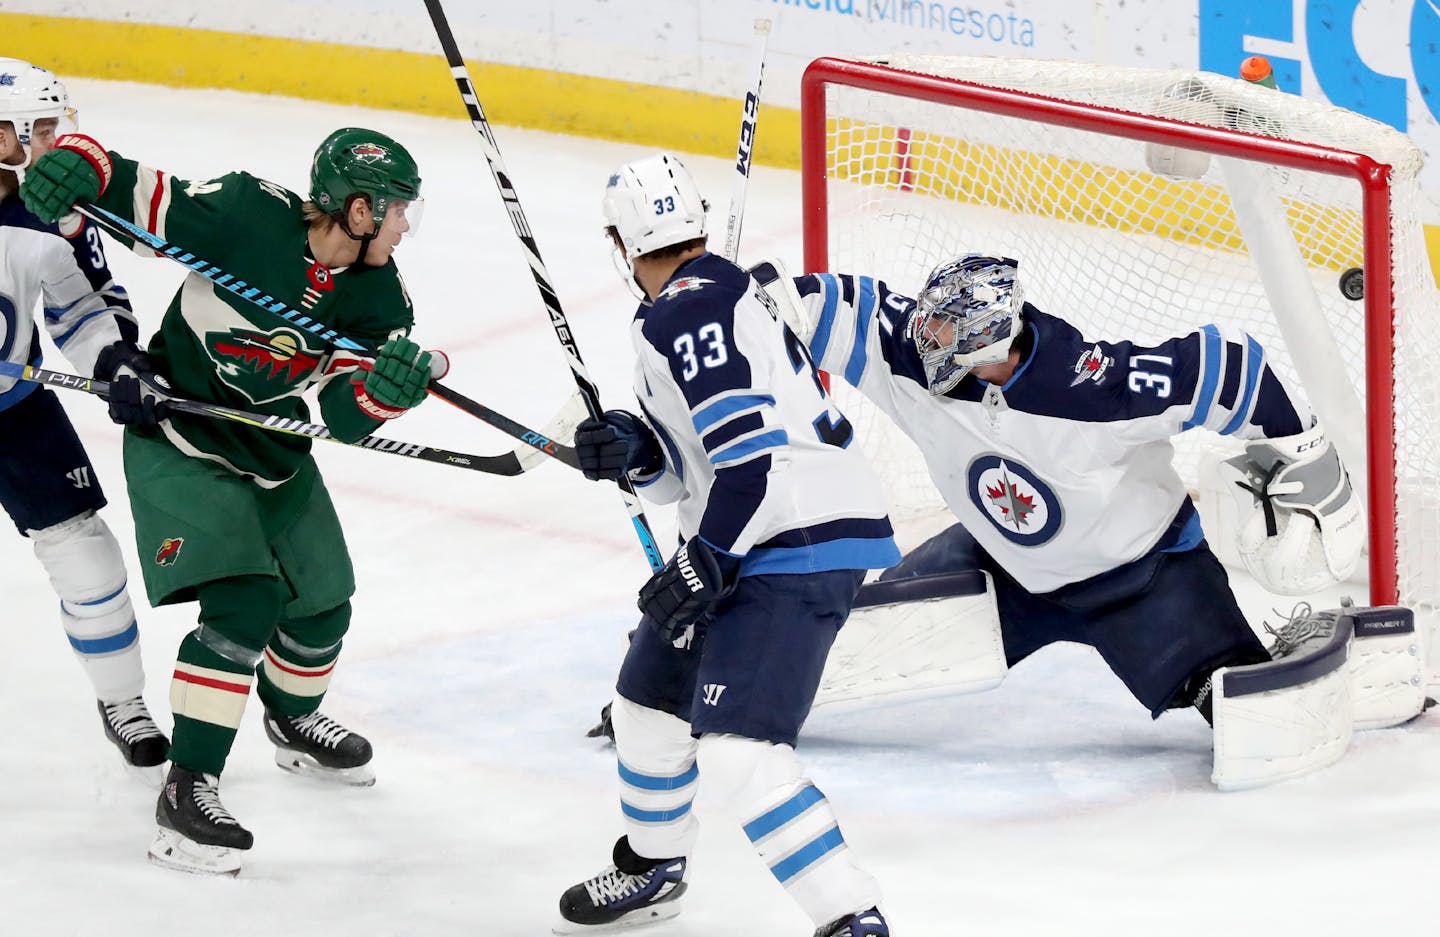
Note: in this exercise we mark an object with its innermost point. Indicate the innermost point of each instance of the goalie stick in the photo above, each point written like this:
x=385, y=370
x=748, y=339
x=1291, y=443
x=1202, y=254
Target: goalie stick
x=744, y=150
x=543, y=281
x=522, y=459
x=124, y=228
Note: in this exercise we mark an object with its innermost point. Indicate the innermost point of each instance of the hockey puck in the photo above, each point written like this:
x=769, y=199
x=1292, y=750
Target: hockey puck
x=1352, y=284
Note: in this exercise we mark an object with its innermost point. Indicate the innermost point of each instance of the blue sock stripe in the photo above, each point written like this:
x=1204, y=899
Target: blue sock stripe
x=807, y=855
x=114, y=642
x=649, y=782
x=770, y=821
x=98, y=601
x=654, y=816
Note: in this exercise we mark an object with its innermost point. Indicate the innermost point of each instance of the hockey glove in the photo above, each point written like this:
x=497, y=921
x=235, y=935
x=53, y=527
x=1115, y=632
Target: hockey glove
x=137, y=393
x=77, y=169
x=395, y=381
x=617, y=443
x=687, y=587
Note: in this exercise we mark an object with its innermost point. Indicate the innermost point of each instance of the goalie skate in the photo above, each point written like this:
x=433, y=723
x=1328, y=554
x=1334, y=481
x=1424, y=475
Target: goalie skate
x=317, y=746
x=195, y=832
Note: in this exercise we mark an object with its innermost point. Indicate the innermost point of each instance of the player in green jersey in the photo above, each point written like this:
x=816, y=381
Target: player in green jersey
x=227, y=515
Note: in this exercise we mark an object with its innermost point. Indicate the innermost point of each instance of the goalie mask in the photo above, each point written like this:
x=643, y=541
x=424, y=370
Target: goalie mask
x=966, y=317
x=353, y=161
x=653, y=203
x=29, y=95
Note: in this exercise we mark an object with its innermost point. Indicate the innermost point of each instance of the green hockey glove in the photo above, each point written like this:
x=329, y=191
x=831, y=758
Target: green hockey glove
x=396, y=381
x=77, y=169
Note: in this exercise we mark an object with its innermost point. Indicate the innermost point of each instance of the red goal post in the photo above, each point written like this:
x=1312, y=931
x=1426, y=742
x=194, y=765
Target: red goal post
x=911, y=159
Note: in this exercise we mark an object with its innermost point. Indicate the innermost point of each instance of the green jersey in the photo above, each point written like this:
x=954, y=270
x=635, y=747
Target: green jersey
x=215, y=346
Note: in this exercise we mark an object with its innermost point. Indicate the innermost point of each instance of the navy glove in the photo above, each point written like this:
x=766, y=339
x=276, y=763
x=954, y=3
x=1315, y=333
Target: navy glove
x=137, y=393
x=617, y=443
x=688, y=586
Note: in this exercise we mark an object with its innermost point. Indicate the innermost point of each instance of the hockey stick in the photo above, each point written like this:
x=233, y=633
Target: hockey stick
x=537, y=265
x=749, y=117
x=511, y=463
x=124, y=228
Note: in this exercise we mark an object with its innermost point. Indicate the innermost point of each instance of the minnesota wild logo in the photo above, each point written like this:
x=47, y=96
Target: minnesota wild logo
x=263, y=366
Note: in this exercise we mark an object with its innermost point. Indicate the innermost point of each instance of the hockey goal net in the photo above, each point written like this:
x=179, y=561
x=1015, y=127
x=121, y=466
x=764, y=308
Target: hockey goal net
x=912, y=159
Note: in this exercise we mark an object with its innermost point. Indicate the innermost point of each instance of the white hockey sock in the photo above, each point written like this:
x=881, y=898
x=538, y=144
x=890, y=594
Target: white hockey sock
x=790, y=823
x=658, y=775
x=88, y=574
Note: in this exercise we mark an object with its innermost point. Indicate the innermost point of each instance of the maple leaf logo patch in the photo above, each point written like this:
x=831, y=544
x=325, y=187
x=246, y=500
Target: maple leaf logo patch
x=1021, y=506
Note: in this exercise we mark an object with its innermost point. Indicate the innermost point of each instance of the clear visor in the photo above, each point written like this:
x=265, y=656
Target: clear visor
x=404, y=216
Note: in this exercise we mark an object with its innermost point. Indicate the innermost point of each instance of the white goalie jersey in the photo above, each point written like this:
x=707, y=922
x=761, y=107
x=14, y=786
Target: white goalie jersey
x=1065, y=472
x=61, y=272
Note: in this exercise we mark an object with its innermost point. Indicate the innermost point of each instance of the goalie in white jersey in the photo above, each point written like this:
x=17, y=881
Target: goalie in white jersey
x=780, y=521
x=1054, y=453
x=47, y=484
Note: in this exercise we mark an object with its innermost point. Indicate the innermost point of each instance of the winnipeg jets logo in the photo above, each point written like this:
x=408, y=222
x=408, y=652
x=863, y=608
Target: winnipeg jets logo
x=7, y=80
x=683, y=285
x=1092, y=366
x=1020, y=505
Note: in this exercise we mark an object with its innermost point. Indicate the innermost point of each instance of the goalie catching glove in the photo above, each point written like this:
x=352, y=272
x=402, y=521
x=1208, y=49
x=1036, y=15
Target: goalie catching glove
x=687, y=587
x=397, y=379
x=1305, y=530
x=138, y=393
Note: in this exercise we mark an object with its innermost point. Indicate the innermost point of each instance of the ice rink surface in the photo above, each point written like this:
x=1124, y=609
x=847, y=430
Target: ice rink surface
x=490, y=620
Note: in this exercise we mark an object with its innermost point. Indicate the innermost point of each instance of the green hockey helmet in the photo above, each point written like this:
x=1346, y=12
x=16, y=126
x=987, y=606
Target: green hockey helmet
x=353, y=161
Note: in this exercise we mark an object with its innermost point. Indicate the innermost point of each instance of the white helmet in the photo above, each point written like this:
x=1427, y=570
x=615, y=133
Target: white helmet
x=653, y=203
x=966, y=316
x=29, y=93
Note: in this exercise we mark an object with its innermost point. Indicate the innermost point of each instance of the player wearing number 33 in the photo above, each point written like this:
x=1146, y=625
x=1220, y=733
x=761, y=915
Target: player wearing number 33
x=780, y=519
x=1053, y=451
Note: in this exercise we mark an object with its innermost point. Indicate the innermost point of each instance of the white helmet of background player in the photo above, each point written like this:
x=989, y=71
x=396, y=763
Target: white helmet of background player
x=29, y=94
x=652, y=203
x=967, y=316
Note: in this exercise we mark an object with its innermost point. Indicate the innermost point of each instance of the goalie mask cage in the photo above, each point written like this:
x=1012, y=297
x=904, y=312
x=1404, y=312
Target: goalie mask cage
x=909, y=160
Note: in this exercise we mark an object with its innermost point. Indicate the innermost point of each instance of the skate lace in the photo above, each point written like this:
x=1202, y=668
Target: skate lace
x=207, y=798
x=321, y=728
x=131, y=720
x=1301, y=627
x=614, y=885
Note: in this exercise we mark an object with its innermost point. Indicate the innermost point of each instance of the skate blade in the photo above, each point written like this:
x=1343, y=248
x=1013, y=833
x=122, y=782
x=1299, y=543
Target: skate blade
x=173, y=850
x=640, y=917
x=306, y=766
x=152, y=776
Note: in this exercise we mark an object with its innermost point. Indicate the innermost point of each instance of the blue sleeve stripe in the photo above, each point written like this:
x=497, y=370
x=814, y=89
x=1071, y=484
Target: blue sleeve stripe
x=653, y=816
x=105, y=645
x=1206, y=399
x=60, y=342
x=727, y=407
x=1256, y=360
x=748, y=447
x=807, y=855
x=776, y=817
x=649, y=782
x=852, y=553
x=54, y=313
x=821, y=340
x=864, y=308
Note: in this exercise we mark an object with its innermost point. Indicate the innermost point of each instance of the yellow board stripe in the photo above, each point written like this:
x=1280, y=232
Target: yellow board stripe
x=387, y=79
x=404, y=81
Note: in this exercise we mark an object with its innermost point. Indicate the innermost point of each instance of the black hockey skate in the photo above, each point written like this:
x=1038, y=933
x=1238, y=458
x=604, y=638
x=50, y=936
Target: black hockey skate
x=129, y=726
x=632, y=891
x=318, y=746
x=196, y=833
x=869, y=923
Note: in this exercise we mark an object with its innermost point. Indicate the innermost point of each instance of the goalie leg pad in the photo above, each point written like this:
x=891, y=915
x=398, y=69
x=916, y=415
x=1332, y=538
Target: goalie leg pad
x=790, y=824
x=917, y=637
x=1284, y=718
x=658, y=775
x=87, y=572
x=1387, y=671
